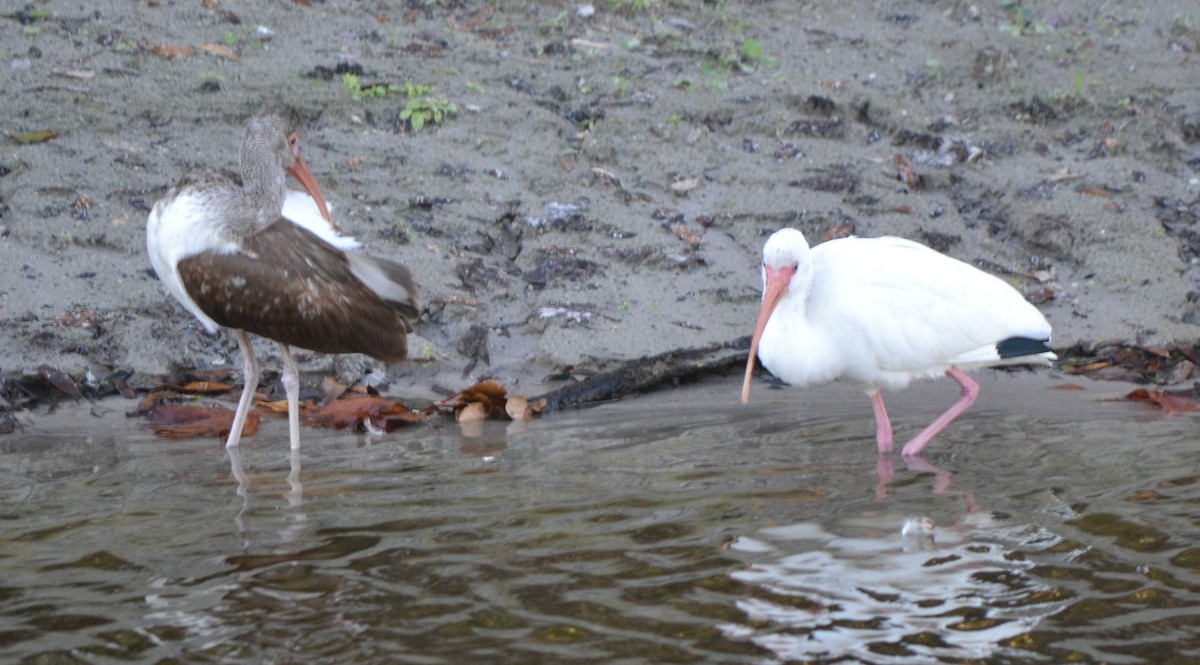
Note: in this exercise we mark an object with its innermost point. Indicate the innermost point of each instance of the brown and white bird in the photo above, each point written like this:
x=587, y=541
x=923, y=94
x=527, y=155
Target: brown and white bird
x=245, y=253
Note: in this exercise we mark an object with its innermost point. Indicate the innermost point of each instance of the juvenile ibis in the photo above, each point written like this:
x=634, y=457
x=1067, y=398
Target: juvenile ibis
x=241, y=251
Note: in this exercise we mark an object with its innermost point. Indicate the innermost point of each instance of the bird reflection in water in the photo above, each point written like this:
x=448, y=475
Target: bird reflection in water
x=942, y=479
x=297, y=518
x=882, y=588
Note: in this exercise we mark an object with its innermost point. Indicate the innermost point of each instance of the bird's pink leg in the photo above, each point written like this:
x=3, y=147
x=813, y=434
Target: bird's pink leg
x=886, y=471
x=883, y=425
x=291, y=385
x=250, y=371
x=970, y=390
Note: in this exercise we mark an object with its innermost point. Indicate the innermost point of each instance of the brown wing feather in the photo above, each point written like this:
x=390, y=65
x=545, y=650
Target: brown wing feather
x=293, y=287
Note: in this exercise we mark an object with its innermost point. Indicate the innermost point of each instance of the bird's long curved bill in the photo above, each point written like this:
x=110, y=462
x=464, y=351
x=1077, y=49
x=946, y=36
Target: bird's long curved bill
x=776, y=286
x=300, y=171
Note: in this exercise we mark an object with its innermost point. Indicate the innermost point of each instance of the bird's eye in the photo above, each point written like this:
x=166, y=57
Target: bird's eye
x=796, y=265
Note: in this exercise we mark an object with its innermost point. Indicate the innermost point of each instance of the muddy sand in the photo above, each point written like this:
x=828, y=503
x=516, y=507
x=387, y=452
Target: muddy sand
x=603, y=190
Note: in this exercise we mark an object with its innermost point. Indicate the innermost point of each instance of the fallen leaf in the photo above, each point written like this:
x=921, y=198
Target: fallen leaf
x=26, y=138
x=839, y=230
x=75, y=73
x=908, y=175
x=687, y=234
x=191, y=422
x=81, y=317
x=606, y=177
x=1064, y=174
x=489, y=393
x=169, y=51
x=206, y=388
x=219, y=50
x=685, y=185
x=1180, y=482
x=1180, y=401
x=60, y=380
x=516, y=408
x=150, y=401
x=278, y=406
x=520, y=408
x=384, y=414
x=332, y=390
x=1143, y=496
x=474, y=412
x=174, y=414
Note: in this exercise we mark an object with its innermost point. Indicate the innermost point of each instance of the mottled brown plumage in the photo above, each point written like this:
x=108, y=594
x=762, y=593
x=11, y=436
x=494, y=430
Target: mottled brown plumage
x=290, y=286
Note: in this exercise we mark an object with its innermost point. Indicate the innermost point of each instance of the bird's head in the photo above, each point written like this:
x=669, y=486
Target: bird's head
x=272, y=143
x=784, y=257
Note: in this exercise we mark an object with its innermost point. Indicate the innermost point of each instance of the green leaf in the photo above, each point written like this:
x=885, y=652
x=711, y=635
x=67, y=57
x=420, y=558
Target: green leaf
x=752, y=48
x=26, y=138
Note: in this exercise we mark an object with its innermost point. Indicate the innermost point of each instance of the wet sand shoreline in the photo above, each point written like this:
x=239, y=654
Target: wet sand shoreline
x=603, y=192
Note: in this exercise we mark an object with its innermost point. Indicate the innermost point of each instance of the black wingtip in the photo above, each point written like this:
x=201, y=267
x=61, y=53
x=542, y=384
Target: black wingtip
x=1016, y=347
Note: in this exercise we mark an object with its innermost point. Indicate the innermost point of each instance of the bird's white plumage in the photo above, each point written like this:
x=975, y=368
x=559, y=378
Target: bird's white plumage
x=302, y=209
x=881, y=312
x=177, y=228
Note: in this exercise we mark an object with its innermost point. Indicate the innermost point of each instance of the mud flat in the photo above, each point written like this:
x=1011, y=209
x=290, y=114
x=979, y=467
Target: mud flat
x=604, y=187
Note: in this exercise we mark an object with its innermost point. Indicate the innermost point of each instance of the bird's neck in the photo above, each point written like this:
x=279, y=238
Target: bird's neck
x=261, y=200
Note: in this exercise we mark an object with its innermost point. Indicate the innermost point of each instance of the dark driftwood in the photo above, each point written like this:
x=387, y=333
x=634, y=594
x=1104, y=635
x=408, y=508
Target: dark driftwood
x=643, y=374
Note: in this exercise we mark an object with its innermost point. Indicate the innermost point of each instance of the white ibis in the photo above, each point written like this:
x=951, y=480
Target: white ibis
x=880, y=312
x=247, y=254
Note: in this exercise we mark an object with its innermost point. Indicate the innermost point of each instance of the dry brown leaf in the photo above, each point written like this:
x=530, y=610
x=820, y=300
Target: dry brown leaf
x=332, y=389
x=206, y=388
x=489, y=393
x=191, y=422
x=1171, y=402
x=219, y=50
x=1146, y=496
x=474, y=412
x=81, y=317
x=908, y=175
x=60, y=380
x=687, y=234
x=152, y=400
x=384, y=414
x=517, y=408
x=278, y=406
x=1095, y=191
x=839, y=230
x=170, y=51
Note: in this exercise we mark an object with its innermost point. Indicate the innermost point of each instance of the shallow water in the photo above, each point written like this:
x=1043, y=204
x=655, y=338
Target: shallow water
x=1045, y=526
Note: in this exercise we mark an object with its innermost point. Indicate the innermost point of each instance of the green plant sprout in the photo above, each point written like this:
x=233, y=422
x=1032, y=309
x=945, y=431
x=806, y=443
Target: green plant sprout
x=1023, y=22
x=422, y=107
